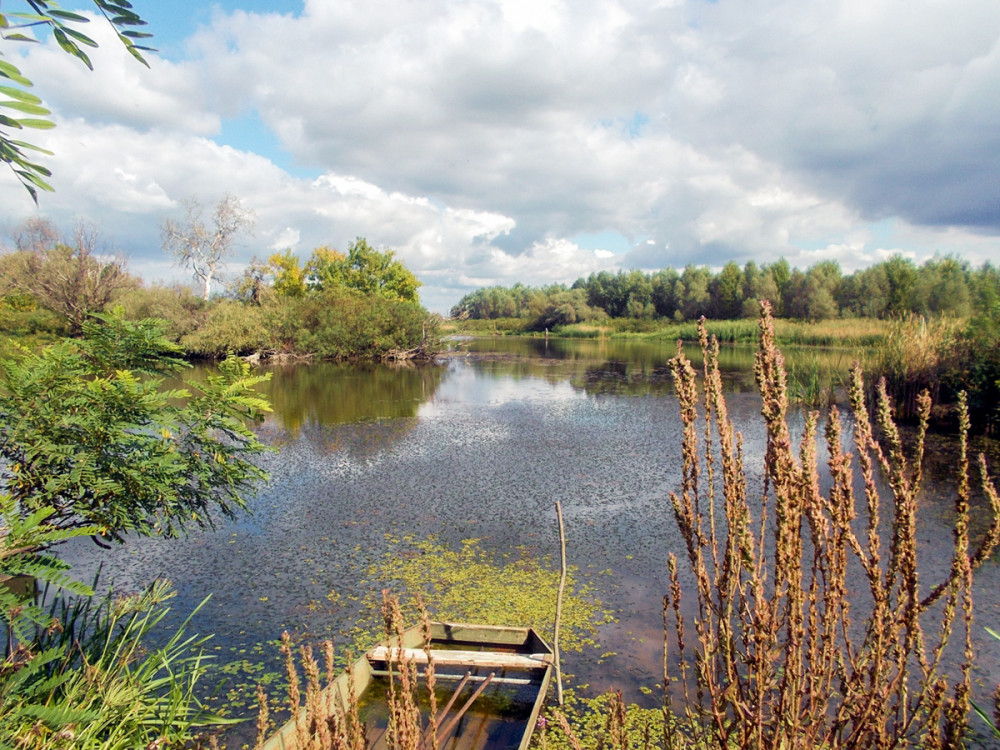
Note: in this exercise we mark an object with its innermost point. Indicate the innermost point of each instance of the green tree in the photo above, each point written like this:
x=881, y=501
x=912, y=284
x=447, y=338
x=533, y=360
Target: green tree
x=693, y=299
x=865, y=293
x=664, y=288
x=781, y=273
x=29, y=111
x=901, y=277
x=88, y=430
x=943, y=287
x=727, y=293
x=364, y=269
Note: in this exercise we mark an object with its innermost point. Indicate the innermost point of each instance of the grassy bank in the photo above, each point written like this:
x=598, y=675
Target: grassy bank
x=845, y=332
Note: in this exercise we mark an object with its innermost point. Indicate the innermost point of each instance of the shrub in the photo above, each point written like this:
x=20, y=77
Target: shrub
x=343, y=324
x=179, y=309
x=230, y=328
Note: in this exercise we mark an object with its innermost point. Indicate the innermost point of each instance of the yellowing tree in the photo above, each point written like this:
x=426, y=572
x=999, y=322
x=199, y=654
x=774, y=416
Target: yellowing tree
x=364, y=269
x=289, y=276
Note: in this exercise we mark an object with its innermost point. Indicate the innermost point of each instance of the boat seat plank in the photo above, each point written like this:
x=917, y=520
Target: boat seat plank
x=449, y=657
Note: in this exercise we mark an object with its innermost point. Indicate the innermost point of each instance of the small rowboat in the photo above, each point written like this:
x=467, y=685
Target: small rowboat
x=491, y=684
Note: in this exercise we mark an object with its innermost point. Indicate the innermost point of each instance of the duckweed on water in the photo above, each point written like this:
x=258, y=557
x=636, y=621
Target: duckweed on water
x=472, y=584
x=468, y=584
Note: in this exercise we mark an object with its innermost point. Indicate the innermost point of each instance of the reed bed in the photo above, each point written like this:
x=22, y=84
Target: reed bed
x=915, y=355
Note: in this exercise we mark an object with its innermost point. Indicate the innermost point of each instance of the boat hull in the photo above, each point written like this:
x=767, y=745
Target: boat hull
x=501, y=675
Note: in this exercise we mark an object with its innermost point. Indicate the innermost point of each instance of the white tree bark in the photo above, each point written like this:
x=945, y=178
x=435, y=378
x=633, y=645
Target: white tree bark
x=203, y=248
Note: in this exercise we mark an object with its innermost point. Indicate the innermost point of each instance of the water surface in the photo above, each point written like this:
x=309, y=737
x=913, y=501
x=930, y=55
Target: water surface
x=481, y=446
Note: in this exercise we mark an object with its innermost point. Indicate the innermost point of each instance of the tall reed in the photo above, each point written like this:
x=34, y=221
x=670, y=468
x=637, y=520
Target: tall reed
x=785, y=655
x=914, y=356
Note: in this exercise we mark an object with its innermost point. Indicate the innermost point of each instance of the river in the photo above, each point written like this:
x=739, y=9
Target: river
x=480, y=446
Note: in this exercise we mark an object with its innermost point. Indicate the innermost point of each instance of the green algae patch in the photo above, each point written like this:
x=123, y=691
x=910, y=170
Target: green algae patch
x=471, y=584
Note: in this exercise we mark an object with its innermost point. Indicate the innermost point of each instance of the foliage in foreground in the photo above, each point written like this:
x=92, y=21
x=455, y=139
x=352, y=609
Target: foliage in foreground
x=88, y=430
x=93, y=445
x=65, y=28
x=784, y=654
x=91, y=679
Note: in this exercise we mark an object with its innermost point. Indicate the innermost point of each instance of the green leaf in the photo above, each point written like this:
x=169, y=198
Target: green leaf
x=10, y=122
x=10, y=71
x=32, y=147
x=20, y=95
x=37, y=125
x=28, y=109
x=82, y=38
x=20, y=38
x=67, y=16
x=127, y=18
x=134, y=51
x=70, y=47
x=35, y=179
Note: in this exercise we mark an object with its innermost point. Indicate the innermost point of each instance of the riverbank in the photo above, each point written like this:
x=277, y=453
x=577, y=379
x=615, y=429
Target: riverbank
x=848, y=332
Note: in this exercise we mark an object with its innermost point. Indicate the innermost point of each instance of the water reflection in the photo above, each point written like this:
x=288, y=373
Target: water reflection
x=326, y=393
x=642, y=367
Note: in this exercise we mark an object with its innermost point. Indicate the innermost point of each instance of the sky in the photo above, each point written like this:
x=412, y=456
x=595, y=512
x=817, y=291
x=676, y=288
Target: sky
x=535, y=141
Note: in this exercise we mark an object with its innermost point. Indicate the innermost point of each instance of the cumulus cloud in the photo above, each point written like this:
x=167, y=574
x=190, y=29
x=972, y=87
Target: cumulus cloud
x=478, y=138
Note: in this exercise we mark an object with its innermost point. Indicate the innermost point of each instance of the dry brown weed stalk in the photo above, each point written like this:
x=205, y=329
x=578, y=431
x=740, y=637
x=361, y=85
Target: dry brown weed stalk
x=785, y=654
x=328, y=720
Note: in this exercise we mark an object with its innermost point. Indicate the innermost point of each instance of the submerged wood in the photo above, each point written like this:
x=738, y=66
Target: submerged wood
x=500, y=649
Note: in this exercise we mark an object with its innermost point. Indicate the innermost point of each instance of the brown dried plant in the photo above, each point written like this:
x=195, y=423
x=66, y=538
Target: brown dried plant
x=325, y=721
x=329, y=721
x=785, y=654
x=406, y=731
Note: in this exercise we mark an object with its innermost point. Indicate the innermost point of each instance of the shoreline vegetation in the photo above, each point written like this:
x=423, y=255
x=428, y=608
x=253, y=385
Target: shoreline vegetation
x=358, y=305
x=117, y=364
x=934, y=326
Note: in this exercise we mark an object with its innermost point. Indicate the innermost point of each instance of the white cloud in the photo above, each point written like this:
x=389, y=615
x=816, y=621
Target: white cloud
x=475, y=137
x=287, y=238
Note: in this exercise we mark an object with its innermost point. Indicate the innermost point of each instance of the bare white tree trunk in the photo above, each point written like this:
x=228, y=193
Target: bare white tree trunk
x=204, y=248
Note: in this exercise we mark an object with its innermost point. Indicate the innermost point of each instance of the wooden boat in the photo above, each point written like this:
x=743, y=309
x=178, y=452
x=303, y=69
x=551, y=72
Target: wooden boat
x=491, y=684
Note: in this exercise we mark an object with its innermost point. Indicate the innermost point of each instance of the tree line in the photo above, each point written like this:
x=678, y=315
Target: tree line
x=943, y=286
x=358, y=304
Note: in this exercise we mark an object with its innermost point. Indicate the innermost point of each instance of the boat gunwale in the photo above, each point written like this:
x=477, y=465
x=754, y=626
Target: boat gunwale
x=336, y=694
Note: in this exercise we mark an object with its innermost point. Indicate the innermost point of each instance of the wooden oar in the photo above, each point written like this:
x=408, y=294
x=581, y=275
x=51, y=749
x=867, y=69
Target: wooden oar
x=441, y=714
x=450, y=726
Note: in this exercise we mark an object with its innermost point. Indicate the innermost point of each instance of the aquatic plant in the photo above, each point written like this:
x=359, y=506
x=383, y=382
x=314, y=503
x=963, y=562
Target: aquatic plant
x=470, y=584
x=783, y=653
x=915, y=355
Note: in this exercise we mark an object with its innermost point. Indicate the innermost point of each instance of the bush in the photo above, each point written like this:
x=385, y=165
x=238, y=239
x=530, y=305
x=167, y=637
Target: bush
x=342, y=324
x=177, y=307
x=230, y=328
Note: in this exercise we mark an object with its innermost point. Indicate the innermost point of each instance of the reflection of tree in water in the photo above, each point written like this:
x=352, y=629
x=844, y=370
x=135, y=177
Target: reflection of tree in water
x=624, y=379
x=326, y=394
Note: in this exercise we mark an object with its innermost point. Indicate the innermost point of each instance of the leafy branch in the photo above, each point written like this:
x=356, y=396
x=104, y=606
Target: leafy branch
x=22, y=110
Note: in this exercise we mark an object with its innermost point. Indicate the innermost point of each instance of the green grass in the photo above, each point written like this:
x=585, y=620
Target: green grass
x=843, y=332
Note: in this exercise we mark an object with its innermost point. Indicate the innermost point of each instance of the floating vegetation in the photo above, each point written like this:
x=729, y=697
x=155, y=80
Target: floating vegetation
x=473, y=584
